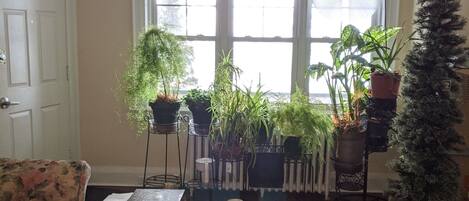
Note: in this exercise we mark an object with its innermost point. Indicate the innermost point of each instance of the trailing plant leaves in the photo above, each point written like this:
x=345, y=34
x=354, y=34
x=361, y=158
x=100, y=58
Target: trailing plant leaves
x=301, y=119
x=157, y=64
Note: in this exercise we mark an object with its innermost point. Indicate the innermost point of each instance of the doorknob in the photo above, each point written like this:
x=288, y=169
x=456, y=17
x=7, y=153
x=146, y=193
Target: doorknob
x=6, y=103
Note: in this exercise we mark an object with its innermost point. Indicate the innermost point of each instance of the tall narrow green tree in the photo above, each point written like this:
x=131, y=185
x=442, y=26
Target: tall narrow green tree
x=425, y=127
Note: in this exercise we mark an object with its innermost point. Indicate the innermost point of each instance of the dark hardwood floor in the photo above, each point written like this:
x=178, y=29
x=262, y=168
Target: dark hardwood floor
x=99, y=193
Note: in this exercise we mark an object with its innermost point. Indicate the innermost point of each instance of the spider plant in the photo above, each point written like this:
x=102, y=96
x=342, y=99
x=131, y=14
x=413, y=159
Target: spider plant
x=238, y=112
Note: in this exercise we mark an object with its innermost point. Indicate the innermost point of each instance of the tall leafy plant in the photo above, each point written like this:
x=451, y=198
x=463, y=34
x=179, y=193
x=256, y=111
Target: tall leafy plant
x=347, y=76
x=157, y=65
x=384, y=45
x=238, y=112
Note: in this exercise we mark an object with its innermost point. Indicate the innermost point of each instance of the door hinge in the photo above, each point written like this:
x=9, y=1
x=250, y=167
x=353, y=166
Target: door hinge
x=68, y=72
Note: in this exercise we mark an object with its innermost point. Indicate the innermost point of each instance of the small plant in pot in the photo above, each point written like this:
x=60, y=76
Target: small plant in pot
x=307, y=126
x=157, y=66
x=385, y=46
x=346, y=80
x=199, y=104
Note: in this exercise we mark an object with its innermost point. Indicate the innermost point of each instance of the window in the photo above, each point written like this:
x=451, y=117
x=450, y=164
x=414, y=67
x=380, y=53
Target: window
x=273, y=41
x=263, y=43
x=196, y=21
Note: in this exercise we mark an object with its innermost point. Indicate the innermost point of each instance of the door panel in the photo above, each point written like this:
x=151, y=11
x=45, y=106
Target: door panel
x=33, y=34
x=22, y=134
x=17, y=48
x=48, y=46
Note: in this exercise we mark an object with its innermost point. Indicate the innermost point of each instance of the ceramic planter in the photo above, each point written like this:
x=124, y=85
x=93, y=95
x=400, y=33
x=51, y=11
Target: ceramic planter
x=351, y=145
x=385, y=85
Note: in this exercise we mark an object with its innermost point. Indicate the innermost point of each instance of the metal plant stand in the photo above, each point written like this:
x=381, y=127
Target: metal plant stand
x=380, y=113
x=164, y=180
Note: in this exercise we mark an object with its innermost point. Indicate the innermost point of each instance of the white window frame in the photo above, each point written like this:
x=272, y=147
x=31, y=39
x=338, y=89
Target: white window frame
x=144, y=16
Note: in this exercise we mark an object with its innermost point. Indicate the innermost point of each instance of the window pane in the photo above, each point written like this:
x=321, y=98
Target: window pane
x=320, y=52
x=328, y=17
x=202, y=68
x=196, y=18
x=171, y=2
x=189, y=2
x=263, y=18
x=201, y=20
x=202, y=2
x=173, y=18
x=268, y=62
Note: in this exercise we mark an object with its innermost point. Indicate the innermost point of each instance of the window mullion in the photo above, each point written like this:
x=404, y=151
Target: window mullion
x=301, y=50
x=224, y=39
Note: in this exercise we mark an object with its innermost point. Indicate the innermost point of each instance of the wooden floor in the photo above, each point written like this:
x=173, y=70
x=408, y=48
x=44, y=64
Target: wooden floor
x=98, y=193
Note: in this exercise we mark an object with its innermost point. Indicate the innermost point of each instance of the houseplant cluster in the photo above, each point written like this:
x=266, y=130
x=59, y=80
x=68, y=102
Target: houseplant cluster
x=241, y=120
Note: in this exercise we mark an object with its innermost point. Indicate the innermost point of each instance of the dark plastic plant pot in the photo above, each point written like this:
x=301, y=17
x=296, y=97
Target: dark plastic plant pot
x=385, y=85
x=351, y=145
x=264, y=137
x=266, y=171
x=377, y=135
x=292, y=147
x=165, y=115
x=201, y=114
x=383, y=105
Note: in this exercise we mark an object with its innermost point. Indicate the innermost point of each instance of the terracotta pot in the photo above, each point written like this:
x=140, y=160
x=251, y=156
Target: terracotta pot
x=385, y=85
x=351, y=145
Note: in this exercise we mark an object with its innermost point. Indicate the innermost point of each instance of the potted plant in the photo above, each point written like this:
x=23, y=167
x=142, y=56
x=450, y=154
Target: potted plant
x=227, y=118
x=239, y=114
x=306, y=126
x=264, y=162
x=199, y=103
x=385, y=48
x=384, y=45
x=157, y=65
x=346, y=80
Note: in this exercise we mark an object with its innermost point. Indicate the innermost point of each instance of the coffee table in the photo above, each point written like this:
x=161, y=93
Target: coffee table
x=158, y=195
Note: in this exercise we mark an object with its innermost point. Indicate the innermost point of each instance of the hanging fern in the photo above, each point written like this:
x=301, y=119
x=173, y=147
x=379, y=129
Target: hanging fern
x=156, y=67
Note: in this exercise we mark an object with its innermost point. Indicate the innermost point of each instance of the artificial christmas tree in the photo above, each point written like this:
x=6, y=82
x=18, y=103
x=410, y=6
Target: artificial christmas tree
x=425, y=126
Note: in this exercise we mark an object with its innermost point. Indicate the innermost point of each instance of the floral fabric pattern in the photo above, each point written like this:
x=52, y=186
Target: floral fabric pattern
x=43, y=180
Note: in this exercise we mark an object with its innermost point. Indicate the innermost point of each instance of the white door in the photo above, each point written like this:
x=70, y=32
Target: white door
x=32, y=33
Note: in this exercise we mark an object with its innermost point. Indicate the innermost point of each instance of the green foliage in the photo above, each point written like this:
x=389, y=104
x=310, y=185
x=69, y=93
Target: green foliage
x=347, y=76
x=383, y=43
x=425, y=125
x=197, y=97
x=302, y=119
x=238, y=113
x=157, y=64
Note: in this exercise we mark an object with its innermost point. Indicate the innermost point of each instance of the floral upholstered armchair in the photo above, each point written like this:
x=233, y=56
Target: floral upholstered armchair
x=43, y=180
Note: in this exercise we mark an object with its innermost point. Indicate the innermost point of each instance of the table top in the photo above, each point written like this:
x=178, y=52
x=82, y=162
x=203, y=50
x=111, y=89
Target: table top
x=157, y=195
